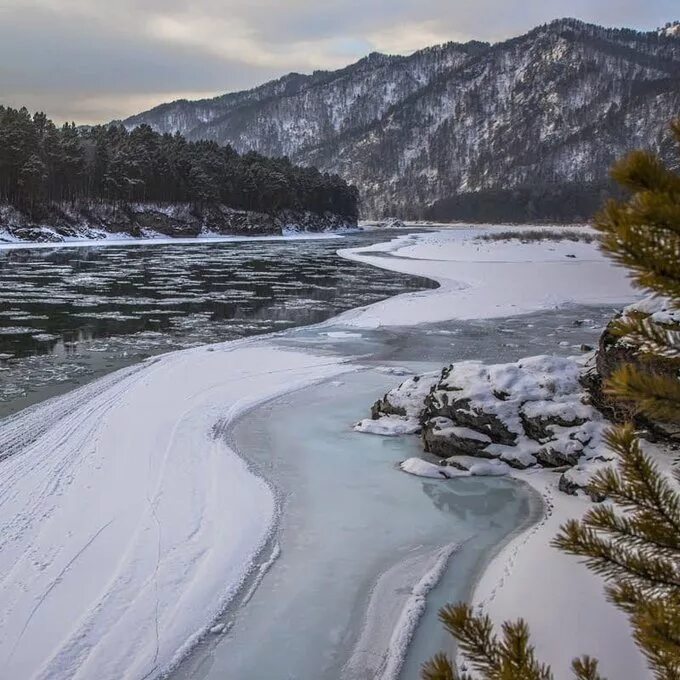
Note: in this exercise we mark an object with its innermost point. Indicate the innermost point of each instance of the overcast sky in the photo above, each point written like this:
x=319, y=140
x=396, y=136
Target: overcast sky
x=95, y=60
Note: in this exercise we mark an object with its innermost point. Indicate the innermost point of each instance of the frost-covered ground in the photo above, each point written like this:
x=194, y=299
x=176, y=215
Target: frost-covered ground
x=561, y=600
x=127, y=523
x=486, y=279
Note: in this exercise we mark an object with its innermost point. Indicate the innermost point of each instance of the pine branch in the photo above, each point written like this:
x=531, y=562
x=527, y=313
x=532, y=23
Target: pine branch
x=475, y=636
x=634, y=533
x=511, y=658
x=614, y=562
x=643, y=171
x=440, y=668
x=585, y=668
x=640, y=484
x=657, y=396
x=656, y=627
x=648, y=337
x=650, y=253
x=519, y=659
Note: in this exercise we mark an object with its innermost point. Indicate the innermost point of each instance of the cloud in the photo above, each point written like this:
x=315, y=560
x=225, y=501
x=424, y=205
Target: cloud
x=94, y=60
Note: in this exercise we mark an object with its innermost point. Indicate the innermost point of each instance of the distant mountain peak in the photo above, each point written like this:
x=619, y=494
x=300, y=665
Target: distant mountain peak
x=553, y=106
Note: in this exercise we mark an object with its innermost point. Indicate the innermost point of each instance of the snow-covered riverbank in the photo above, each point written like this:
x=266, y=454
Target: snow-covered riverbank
x=107, y=240
x=127, y=524
x=561, y=600
x=127, y=519
x=483, y=279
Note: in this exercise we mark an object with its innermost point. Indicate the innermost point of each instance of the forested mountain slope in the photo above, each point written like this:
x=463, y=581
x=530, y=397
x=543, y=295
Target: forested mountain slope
x=540, y=115
x=106, y=177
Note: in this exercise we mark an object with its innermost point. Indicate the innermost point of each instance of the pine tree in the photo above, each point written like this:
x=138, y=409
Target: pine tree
x=42, y=164
x=633, y=541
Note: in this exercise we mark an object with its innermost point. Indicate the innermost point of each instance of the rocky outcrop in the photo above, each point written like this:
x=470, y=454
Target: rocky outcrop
x=99, y=220
x=614, y=351
x=532, y=412
x=540, y=411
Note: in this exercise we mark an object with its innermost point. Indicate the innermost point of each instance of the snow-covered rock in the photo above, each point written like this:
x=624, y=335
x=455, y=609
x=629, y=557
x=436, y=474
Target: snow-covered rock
x=528, y=412
x=151, y=220
x=531, y=412
x=400, y=410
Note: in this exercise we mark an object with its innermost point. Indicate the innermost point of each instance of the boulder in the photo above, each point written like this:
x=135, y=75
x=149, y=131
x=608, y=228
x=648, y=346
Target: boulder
x=442, y=437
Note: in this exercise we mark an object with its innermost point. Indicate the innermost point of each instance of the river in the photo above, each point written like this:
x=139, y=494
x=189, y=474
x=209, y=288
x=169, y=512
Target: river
x=339, y=592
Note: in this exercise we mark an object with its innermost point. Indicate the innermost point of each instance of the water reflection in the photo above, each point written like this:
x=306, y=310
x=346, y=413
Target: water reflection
x=470, y=499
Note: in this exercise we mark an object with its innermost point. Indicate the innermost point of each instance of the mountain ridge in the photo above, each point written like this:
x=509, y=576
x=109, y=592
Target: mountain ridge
x=553, y=106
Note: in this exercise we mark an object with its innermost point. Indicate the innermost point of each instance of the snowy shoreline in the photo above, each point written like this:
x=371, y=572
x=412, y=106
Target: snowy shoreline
x=527, y=577
x=191, y=392
x=163, y=241
x=182, y=529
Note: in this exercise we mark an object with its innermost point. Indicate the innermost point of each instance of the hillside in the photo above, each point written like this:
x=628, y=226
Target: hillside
x=70, y=182
x=543, y=114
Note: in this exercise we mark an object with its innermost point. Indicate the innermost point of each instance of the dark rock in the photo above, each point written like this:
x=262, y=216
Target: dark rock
x=570, y=487
x=462, y=414
x=383, y=407
x=586, y=348
x=540, y=428
x=567, y=486
x=439, y=441
x=549, y=457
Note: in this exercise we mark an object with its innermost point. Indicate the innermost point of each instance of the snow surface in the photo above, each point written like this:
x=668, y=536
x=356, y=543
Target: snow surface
x=563, y=602
x=127, y=522
x=121, y=240
x=560, y=599
x=482, y=279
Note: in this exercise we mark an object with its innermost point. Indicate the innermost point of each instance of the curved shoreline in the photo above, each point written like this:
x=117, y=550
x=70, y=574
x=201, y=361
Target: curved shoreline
x=198, y=512
x=235, y=413
x=375, y=610
x=538, y=514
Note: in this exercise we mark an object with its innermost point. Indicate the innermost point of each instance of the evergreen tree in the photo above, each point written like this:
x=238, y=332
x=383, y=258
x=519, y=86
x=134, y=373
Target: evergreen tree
x=42, y=164
x=634, y=540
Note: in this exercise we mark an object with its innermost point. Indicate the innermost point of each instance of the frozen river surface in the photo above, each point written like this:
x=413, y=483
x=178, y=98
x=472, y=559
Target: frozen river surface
x=343, y=591
x=361, y=555
x=356, y=535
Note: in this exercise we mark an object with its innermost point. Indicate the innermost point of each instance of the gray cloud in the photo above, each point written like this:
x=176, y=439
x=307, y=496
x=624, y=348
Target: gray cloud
x=93, y=60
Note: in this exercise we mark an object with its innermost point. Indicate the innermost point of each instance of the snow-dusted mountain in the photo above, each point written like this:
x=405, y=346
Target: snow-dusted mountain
x=553, y=107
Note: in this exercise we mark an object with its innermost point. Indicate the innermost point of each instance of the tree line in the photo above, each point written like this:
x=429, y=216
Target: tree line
x=42, y=164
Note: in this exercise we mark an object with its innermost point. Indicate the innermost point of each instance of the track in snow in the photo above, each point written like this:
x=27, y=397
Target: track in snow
x=126, y=523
